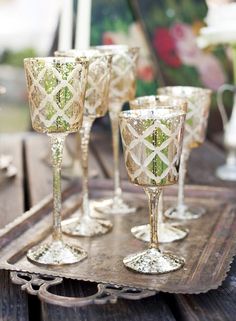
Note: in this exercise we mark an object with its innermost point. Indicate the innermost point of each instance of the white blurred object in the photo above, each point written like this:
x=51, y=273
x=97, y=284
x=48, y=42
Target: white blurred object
x=221, y=29
x=83, y=24
x=221, y=24
x=66, y=26
x=28, y=23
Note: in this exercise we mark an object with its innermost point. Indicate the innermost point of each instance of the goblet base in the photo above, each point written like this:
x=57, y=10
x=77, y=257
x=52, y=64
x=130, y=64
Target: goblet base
x=113, y=207
x=86, y=226
x=152, y=261
x=167, y=233
x=56, y=253
x=185, y=213
x=226, y=172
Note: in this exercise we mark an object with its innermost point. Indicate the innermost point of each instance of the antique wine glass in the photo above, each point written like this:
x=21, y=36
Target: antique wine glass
x=95, y=105
x=145, y=132
x=167, y=232
x=56, y=89
x=122, y=89
x=199, y=100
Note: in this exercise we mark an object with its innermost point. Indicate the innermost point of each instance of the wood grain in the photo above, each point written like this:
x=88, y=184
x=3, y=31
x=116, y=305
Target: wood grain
x=39, y=173
x=203, y=163
x=149, y=309
x=12, y=190
x=212, y=306
x=101, y=146
x=13, y=302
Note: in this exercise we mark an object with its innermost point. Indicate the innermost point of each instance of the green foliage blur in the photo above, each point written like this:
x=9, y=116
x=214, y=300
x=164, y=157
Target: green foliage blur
x=16, y=58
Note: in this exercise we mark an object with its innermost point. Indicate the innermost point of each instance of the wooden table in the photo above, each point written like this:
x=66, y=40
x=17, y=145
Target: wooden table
x=34, y=182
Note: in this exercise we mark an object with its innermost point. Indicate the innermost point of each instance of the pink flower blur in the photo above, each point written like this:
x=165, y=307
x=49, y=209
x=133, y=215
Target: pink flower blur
x=210, y=70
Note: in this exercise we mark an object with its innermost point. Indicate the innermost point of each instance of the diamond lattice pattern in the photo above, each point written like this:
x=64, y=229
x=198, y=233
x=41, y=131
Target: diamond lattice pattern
x=55, y=92
x=133, y=150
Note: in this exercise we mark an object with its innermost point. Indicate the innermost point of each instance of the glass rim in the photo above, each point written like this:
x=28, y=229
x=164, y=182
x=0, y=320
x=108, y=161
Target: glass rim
x=177, y=101
x=117, y=48
x=81, y=53
x=159, y=114
x=194, y=90
x=53, y=60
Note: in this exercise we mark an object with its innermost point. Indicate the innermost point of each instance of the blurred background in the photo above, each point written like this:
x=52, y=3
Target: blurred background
x=165, y=30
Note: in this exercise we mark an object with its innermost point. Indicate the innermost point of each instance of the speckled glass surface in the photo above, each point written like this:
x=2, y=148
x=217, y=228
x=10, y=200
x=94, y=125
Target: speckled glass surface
x=167, y=232
x=122, y=89
x=56, y=89
x=152, y=141
x=199, y=100
x=96, y=105
x=98, y=82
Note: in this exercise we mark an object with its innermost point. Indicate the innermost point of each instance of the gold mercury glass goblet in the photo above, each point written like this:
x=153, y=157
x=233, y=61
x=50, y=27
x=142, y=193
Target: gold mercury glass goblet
x=56, y=90
x=199, y=100
x=95, y=105
x=144, y=133
x=122, y=89
x=167, y=232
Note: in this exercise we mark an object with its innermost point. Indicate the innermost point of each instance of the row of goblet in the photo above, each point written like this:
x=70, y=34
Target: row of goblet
x=52, y=96
x=56, y=84
x=95, y=106
x=198, y=104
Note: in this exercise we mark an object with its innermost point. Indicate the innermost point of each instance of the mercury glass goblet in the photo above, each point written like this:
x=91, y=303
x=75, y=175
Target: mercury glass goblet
x=122, y=89
x=95, y=105
x=199, y=100
x=145, y=133
x=56, y=90
x=167, y=232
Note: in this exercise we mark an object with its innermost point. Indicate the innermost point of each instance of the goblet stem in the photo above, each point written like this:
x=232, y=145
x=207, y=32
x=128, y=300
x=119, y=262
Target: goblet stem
x=160, y=208
x=57, y=145
x=153, y=195
x=182, y=174
x=85, y=136
x=116, y=144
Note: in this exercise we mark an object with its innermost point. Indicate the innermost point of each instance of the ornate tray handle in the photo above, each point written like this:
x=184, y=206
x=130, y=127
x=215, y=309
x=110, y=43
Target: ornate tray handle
x=36, y=284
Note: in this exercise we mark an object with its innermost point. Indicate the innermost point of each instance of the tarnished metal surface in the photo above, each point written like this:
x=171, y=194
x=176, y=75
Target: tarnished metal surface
x=40, y=285
x=208, y=250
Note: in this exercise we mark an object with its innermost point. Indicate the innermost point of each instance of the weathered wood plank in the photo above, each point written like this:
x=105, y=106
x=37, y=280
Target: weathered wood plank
x=13, y=302
x=12, y=190
x=39, y=173
x=217, y=305
x=102, y=148
x=203, y=163
x=149, y=309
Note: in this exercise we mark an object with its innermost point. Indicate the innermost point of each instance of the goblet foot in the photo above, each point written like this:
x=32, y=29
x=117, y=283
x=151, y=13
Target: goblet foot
x=167, y=233
x=152, y=261
x=185, y=213
x=56, y=253
x=86, y=226
x=114, y=206
x=226, y=172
